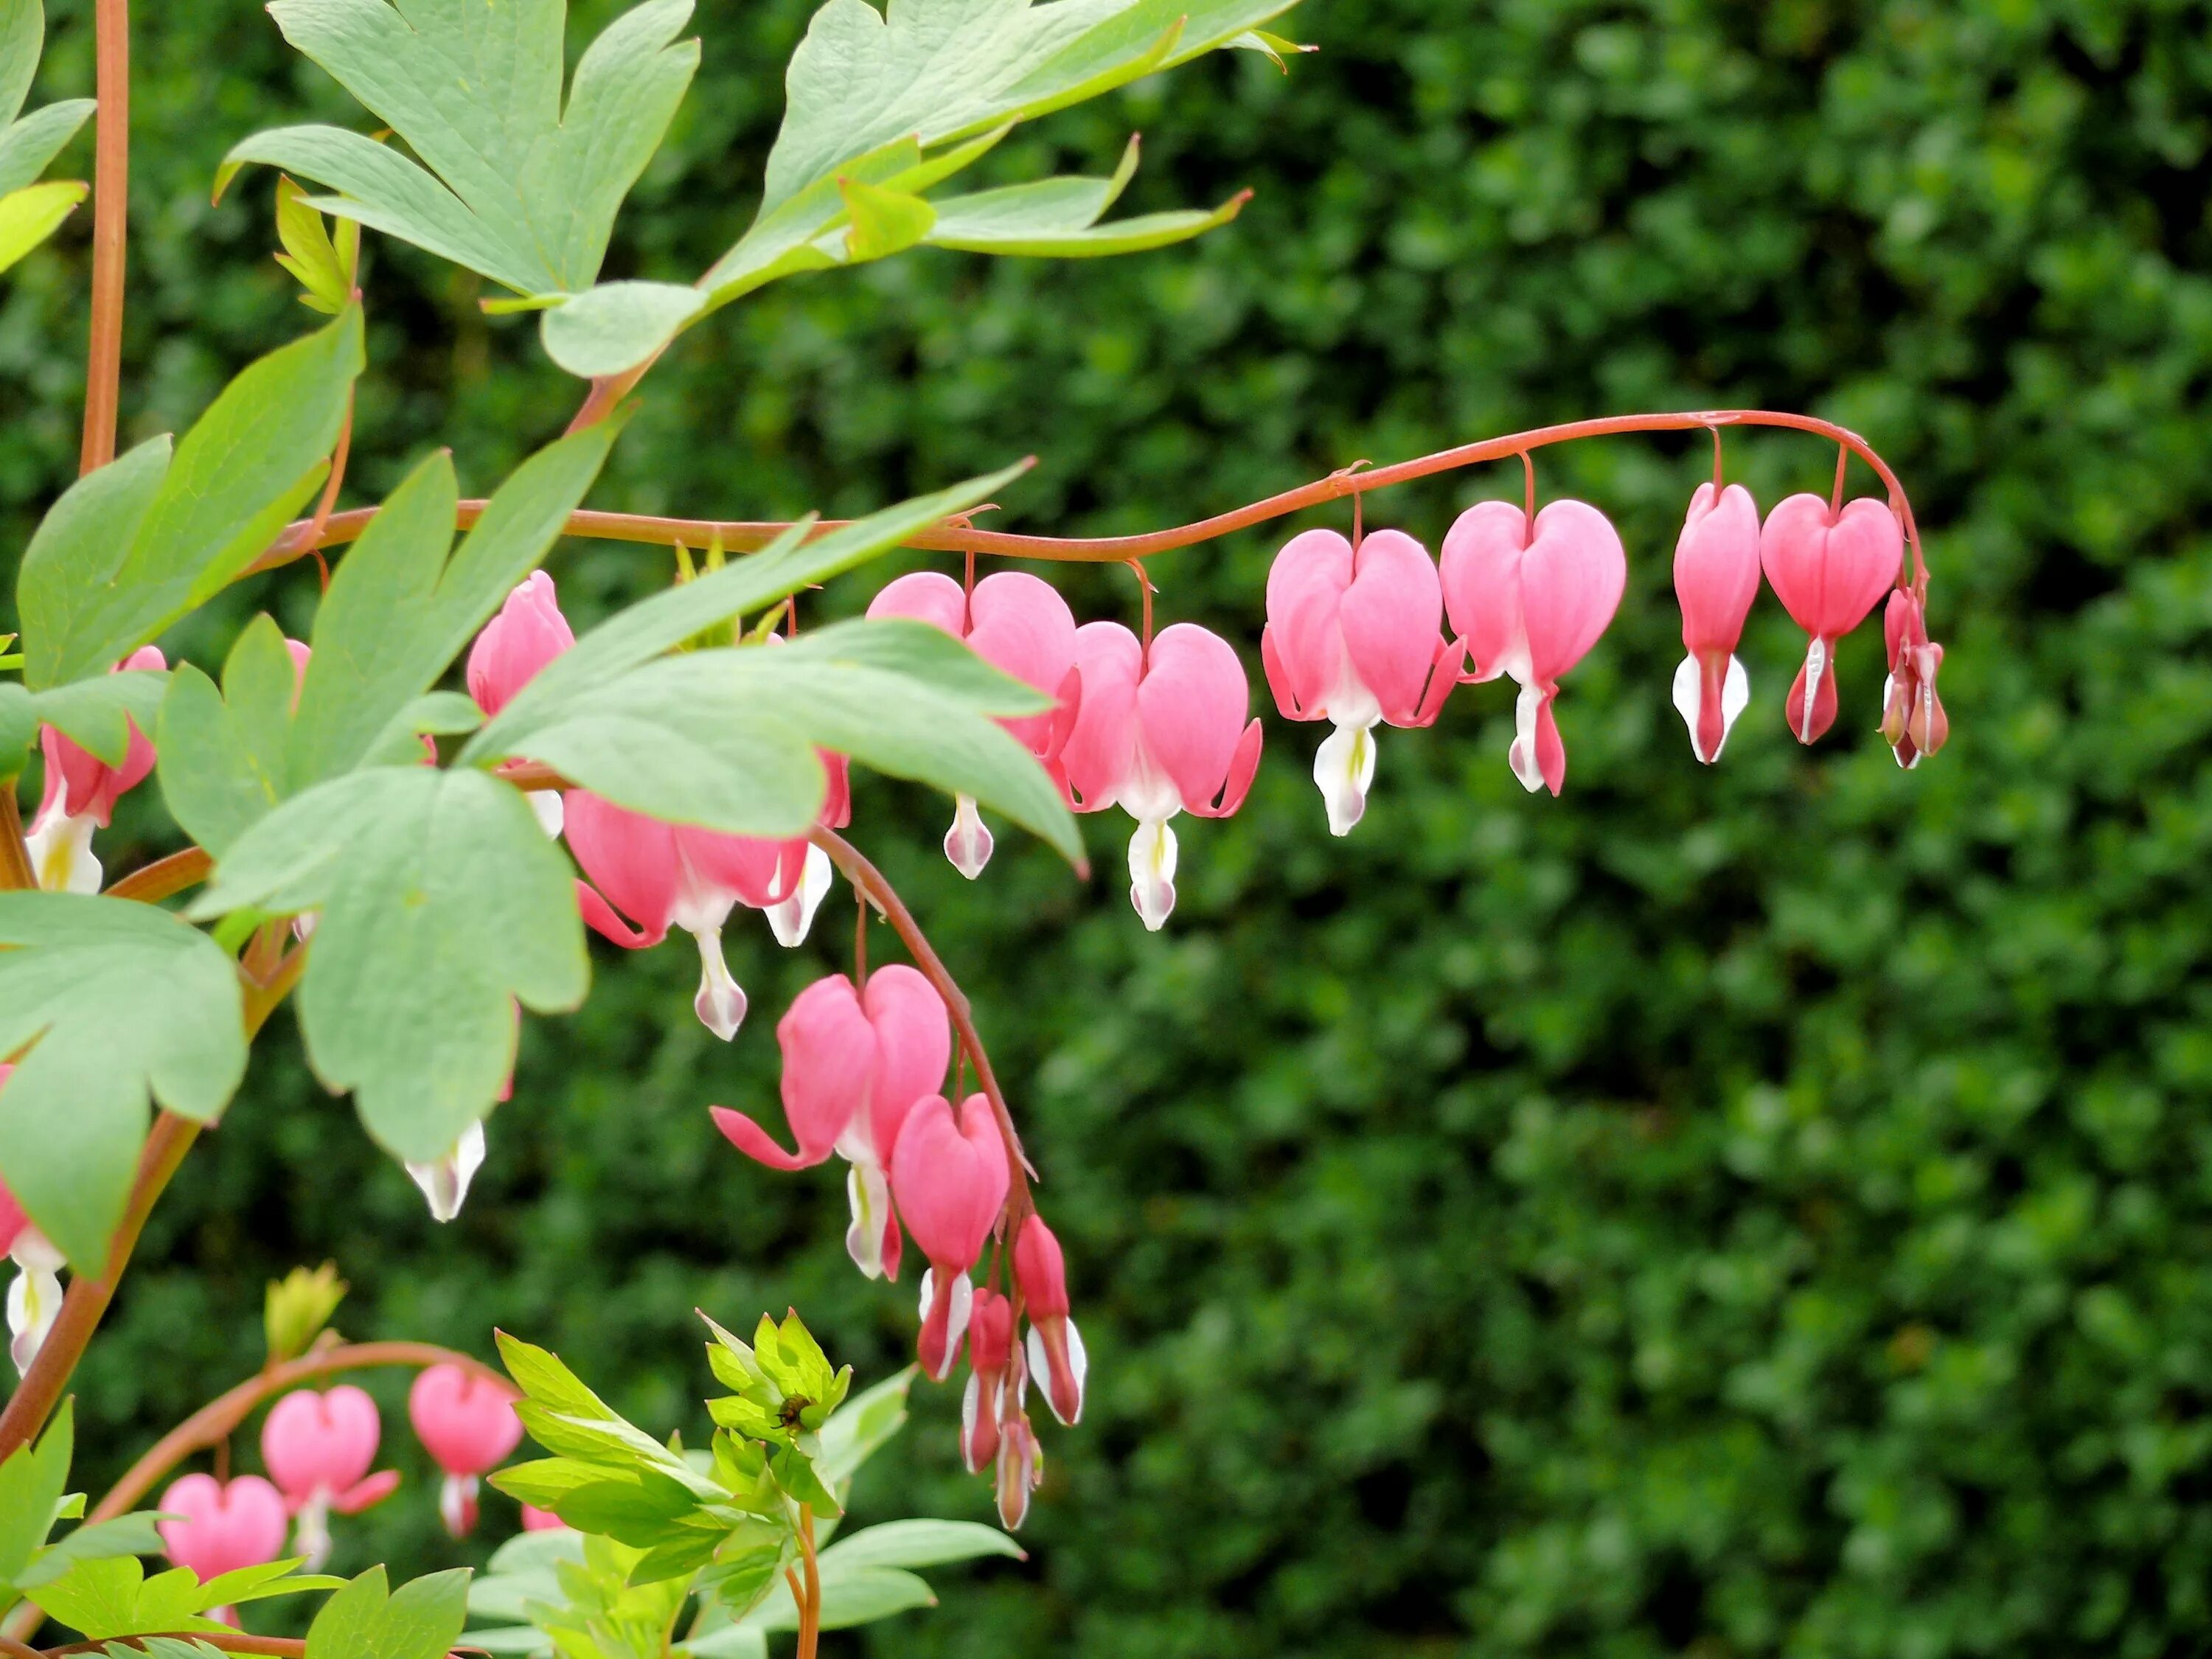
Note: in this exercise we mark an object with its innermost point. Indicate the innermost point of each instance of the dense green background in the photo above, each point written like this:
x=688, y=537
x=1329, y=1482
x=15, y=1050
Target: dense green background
x=1761, y=1210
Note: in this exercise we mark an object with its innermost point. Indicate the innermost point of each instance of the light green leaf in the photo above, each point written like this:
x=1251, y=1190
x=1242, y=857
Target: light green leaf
x=98, y=712
x=22, y=38
x=222, y=766
x=324, y=268
x=422, y=1620
x=126, y=1534
x=19, y=729
x=120, y=1000
x=920, y=1544
x=136, y=546
x=99, y=1597
x=858, y=1596
x=32, y=1481
x=28, y=145
x=614, y=327
x=512, y=1638
x=347, y=1625
x=1057, y=218
x=863, y=1427
x=883, y=222
x=442, y=906
x=29, y=216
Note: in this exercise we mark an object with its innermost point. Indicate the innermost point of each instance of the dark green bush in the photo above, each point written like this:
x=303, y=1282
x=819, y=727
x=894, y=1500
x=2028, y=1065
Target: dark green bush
x=1758, y=1211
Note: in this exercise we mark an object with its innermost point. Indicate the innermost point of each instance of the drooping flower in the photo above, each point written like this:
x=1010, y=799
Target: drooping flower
x=854, y=1064
x=1912, y=718
x=445, y=1183
x=1021, y=1468
x=35, y=1299
x=990, y=1367
x=1159, y=734
x=1829, y=569
x=538, y=1520
x=1353, y=637
x=79, y=795
x=318, y=1448
x=1055, y=1346
x=218, y=1526
x=1715, y=579
x=1529, y=600
x=466, y=1422
x=1021, y=626
x=528, y=633
x=949, y=1178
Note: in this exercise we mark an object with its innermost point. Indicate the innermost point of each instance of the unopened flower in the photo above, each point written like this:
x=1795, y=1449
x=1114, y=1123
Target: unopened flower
x=318, y=1448
x=1021, y=626
x=1021, y=1468
x=1055, y=1346
x=1529, y=598
x=80, y=796
x=528, y=633
x=1353, y=637
x=1829, y=569
x=949, y=1178
x=215, y=1527
x=990, y=1367
x=1912, y=717
x=1159, y=733
x=1715, y=579
x=466, y=1422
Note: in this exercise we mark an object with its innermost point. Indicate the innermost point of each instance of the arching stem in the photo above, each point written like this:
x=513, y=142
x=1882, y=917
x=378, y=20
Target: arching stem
x=111, y=219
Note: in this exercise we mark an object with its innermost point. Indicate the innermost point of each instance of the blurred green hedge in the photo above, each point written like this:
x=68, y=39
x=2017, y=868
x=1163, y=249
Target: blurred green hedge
x=1754, y=1211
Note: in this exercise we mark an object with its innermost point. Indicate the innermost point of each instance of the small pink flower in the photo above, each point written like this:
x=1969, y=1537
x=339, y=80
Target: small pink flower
x=538, y=1520
x=220, y=1528
x=466, y=1422
x=35, y=1299
x=318, y=1448
x=1912, y=719
x=1530, y=599
x=1157, y=735
x=1715, y=579
x=528, y=633
x=990, y=1360
x=1021, y=626
x=1056, y=1346
x=950, y=1179
x=80, y=796
x=1829, y=569
x=1353, y=637
x=1021, y=1468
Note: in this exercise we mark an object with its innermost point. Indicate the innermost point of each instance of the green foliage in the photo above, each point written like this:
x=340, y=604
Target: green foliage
x=327, y=268
x=34, y=1500
x=111, y=1596
x=420, y=1619
x=297, y=1308
x=29, y=216
x=29, y=142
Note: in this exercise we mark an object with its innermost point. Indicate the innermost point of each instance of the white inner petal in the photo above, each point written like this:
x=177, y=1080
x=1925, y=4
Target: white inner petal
x=1152, y=872
x=968, y=843
x=721, y=1004
x=790, y=920
x=1344, y=769
x=1521, y=755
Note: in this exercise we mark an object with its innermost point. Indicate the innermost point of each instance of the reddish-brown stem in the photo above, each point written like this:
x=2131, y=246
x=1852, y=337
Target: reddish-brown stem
x=958, y=537
x=1144, y=587
x=331, y=484
x=1528, y=486
x=1836, y=495
x=36, y=1397
x=1718, y=485
x=810, y=1605
x=220, y=1418
x=860, y=938
x=608, y=391
x=227, y=1641
x=17, y=874
x=111, y=204
x=15, y=1650
x=262, y=994
x=164, y=876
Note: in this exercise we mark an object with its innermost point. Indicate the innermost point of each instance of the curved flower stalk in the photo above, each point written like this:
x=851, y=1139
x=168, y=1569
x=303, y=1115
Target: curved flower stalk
x=318, y=1448
x=1830, y=568
x=1715, y=579
x=466, y=1422
x=79, y=795
x=1353, y=637
x=1530, y=596
x=1021, y=626
x=950, y=1176
x=1161, y=731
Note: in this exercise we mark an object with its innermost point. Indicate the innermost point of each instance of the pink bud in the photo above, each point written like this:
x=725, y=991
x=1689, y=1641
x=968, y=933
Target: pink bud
x=950, y=1179
x=1715, y=579
x=990, y=1355
x=1529, y=600
x=1829, y=570
x=528, y=633
x=466, y=1422
x=1021, y=1470
x=319, y=1447
x=1055, y=1346
x=1913, y=719
x=221, y=1527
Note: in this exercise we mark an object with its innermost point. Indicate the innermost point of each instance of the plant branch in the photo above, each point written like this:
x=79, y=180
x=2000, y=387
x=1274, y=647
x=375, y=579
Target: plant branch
x=17, y=874
x=111, y=211
x=229, y=1640
x=810, y=1605
x=164, y=878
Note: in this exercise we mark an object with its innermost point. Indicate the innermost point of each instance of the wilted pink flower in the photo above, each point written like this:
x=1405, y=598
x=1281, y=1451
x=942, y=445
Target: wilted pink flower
x=1353, y=637
x=990, y=1363
x=1829, y=569
x=318, y=1448
x=80, y=796
x=35, y=1299
x=1021, y=1468
x=1715, y=579
x=1912, y=717
x=1529, y=600
x=466, y=1422
x=1158, y=735
x=950, y=1179
x=1021, y=626
x=528, y=633
x=220, y=1528
x=1056, y=1346
x=854, y=1064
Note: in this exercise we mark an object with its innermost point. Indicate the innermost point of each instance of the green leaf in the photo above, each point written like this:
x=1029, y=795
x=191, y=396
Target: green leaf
x=443, y=905
x=32, y=1481
x=1058, y=218
x=422, y=1620
x=516, y=187
x=19, y=730
x=347, y=1625
x=29, y=216
x=920, y=1544
x=323, y=268
x=866, y=1425
x=614, y=327
x=120, y=1000
x=99, y=712
x=99, y=1598
x=398, y=611
x=859, y=1596
x=222, y=764
x=135, y=545
x=1274, y=47
x=28, y=145
x=126, y=1534
x=883, y=222
x=22, y=37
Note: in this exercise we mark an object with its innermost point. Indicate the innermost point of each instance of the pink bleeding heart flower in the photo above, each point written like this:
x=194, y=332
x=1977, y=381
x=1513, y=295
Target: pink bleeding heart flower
x=1159, y=734
x=1912, y=718
x=1354, y=637
x=220, y=1528
x=1715, y=579
x=1021, y=1470
x=528, y=633
x=35, y=1299
x=1021, y=626
x=664, y=875
x=949, y=1178
x=466, y=1422
x=990, y=1363
x=1529, y=600
x=1056, y=1346
x=538, y=1520
x=80, y=796
x=1829, y=569
x=854, y=1064
x=318, y=1448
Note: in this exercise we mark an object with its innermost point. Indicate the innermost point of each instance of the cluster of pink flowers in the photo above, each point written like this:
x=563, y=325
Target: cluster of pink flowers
x=320, y=1448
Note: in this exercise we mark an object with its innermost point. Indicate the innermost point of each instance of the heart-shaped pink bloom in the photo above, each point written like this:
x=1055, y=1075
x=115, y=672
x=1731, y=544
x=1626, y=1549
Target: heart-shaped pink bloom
x=538, y=1520
x=1829, y=570
x=320, y=1446
x=990, y=1357
x=829, y=1058
x=467, y=1422
x=528, y=633
x=1529, y=600
x=1353, y=638
x=82, y=784
x=1158, y=735
x=949, y=1178
x=221, y=1527
x=1715, y=579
